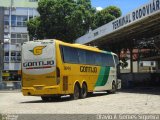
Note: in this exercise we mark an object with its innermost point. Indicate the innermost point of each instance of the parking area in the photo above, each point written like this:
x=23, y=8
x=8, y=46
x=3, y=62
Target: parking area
x=137, y=101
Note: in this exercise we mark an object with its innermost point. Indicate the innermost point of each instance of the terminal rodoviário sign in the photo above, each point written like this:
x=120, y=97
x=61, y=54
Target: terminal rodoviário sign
x=137, y=14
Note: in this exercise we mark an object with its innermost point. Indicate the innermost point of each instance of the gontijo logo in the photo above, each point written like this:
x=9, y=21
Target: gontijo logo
x=37, y=50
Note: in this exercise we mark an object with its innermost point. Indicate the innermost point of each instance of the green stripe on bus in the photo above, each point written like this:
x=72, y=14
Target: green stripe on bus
x=103, y=76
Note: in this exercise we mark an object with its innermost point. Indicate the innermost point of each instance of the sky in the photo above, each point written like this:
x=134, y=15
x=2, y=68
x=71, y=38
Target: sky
x=126, y=6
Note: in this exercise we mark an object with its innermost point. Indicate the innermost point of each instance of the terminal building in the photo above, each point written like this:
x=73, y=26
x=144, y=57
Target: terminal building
x=14, y=15
x=138, y=34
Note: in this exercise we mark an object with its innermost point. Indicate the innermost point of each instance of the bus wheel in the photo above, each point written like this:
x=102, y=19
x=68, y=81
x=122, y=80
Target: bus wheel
x=76, y=93
x=89, y=94
x=113, y=89
x=83, y=91
x=46, y=98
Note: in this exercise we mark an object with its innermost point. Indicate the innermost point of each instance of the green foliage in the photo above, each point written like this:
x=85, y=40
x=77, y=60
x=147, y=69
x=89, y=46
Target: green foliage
x=67, y=19
x=62, y=19
x=114, y=11
x=35, y=28
x=105, y=16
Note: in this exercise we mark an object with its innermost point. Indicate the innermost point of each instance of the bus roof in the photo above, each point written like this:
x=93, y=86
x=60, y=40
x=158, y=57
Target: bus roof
x=72, y=45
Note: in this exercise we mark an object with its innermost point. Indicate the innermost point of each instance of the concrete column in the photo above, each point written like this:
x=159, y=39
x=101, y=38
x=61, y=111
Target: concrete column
x=138, y=61
x=118, y=53
x=1, y=41
x=131, y=60
x=1, y=61
x=1, y=24
x=157, y=66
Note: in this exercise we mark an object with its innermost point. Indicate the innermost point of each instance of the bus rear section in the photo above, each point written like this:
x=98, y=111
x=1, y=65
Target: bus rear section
x=39, y=69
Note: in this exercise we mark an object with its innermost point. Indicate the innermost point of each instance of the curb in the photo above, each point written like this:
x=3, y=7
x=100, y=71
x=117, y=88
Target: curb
x=10, y=91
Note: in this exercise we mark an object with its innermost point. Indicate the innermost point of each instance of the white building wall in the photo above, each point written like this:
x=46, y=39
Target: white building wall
x=146, y=64
x=16, y=30
x=14, y=39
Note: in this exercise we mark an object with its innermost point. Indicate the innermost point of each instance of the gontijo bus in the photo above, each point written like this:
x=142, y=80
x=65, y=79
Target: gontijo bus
x=53, y=68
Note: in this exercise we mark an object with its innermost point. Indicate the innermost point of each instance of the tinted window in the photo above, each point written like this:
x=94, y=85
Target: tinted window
x=116, y=59
x=70, y=55
x=107, y=60
x=76, y=55
x=98, y=59
x=90, y=57
x=13, y=53
x=82, y=56
x=110, y=60
x=6, y=53
x=104, y=59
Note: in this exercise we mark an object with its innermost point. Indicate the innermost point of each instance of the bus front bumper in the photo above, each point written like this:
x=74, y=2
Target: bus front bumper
x=40, y=90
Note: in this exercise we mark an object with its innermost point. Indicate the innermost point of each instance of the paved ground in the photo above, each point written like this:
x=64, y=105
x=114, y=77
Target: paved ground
x=141, y=101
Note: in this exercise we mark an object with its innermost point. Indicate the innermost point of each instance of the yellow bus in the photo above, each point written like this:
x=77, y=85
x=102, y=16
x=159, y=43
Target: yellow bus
x=52, y=68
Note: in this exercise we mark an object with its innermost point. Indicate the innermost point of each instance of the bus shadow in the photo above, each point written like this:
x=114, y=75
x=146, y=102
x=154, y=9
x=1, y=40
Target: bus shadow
x=143, y=90
x=96, y=94
x=65, y=99
x=54, y=100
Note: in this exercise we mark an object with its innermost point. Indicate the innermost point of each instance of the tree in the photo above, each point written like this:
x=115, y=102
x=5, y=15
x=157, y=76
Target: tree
x=62, y=19
x=68, y=19
x=114, y=11
x=105, y=16
x=35, y=28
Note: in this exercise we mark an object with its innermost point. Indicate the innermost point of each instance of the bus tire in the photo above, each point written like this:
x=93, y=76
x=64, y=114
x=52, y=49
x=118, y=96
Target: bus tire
x=84, y=91
x=58, y=97
x=89, y=94
x=113, y=88
x=76, y=93
x=46, y=98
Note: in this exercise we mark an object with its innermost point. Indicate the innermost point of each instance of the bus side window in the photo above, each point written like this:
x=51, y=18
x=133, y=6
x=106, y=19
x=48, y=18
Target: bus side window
x=111, y=61
x=90, y=58
x=70, y=55
x=98, y=59
x=116, y=60
x=104, y=60
x=107, y=60
x=82, y=56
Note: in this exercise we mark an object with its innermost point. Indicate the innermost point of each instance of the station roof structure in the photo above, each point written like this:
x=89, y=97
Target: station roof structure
x=139, y=24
